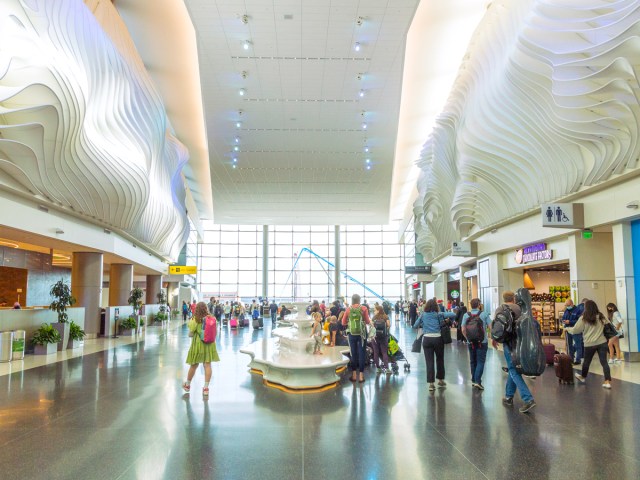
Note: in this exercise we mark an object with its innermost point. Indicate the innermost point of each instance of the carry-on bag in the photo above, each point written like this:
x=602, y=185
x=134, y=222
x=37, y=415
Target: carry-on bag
x=233, y=323
x=564, y=368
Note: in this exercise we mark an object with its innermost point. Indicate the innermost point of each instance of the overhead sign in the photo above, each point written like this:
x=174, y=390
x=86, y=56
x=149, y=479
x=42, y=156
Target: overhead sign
x=415, y=286
x=533, y=253
x=455, y=294
x=562, y=215
x=417, y=269
x=182, y=270
x=462, y=249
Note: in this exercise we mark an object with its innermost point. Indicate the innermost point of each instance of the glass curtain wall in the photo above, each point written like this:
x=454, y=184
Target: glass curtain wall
x=301, y=262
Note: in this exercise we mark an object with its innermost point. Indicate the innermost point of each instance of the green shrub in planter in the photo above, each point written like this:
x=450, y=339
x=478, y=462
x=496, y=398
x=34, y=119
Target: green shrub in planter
x=135, y=300
x=129, y=323
x=61, y=292
x=160, y=317
x=45, y=334
x=75, y=332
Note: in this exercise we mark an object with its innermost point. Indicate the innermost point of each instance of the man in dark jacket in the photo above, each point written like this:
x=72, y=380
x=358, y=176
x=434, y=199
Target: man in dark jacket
x=273, y=310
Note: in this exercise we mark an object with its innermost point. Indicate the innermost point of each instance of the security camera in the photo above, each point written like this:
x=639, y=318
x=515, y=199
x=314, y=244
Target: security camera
x=244, y=74
x=635, y=204
x=359, y=76
x=359, y=21
x=245, y=18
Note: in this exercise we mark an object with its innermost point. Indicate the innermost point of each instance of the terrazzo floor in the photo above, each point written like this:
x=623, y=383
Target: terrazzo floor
x=116, y=410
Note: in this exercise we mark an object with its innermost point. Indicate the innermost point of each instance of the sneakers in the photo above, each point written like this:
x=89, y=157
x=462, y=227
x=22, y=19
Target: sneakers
x=527, y=406
x=580, y=378
x=478, y=386
x=186, y=387
x=611, y=361
x=432, y=387
x=205, y=392
x=507, y=401
x=607, y=386
x=442, y=383
x=618, y=360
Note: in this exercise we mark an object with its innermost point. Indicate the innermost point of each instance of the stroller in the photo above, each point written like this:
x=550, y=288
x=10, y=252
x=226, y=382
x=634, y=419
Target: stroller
x=394, y=353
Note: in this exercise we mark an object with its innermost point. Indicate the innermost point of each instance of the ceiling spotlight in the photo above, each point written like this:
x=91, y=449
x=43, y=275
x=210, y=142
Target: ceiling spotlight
x=364, y=125
x=356, y=47
x=241, y=92
x=368, y=160
x=235, y=159
x=368, y=167
x=236, y=148
x=245, y=18
x=234, y=166
x=361, y=94
x=237, y=139
x=246, y=44
x=359, y=21
x=366, y=149
x=238, y=124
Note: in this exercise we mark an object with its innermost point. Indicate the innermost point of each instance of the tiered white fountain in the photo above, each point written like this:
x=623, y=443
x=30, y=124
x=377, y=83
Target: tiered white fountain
x=286, y=360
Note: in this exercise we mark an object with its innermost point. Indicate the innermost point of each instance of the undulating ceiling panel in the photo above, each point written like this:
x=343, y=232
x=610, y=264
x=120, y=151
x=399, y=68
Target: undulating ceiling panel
x=83, y=128
x=546, y=104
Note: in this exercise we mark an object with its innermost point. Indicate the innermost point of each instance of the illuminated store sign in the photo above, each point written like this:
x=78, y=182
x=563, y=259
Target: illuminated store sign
x=533, y=253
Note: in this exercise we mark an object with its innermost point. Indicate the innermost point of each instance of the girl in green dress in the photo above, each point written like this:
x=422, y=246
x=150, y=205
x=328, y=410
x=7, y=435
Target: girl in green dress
x=200, y=352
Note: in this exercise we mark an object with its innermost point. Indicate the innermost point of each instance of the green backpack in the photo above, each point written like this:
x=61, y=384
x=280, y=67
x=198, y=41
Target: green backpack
x=355, y=325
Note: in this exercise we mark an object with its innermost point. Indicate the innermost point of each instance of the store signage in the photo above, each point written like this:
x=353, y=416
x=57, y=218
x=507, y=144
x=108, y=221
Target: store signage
x=471, y=273
x=417, y=269
x=462, y=249
x=415, y=286
x=562, y=215
x=182, y=270
x=455, y=294
x=533, y=253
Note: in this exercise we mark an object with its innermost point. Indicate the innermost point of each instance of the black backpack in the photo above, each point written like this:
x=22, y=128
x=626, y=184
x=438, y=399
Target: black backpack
x=503, y=326
x=475, y=328
x=217, y=311
x=381, y=328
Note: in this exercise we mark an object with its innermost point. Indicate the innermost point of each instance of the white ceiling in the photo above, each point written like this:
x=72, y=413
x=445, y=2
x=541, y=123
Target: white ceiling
x=301, y=155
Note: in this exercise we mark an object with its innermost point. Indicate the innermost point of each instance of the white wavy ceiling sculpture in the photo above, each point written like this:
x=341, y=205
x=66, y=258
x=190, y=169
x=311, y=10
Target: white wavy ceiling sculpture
x=546, y=104
x=82, y=126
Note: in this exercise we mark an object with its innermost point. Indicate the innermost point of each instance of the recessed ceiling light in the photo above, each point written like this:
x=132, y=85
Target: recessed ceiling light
x=356, y=47
x=236, y=148
x=364, y=126
x=366, y=149
x=368, y=160
x=241, y=92
x=235, y=160
x=368, y=167
x=234, y=166
x=361, y=93
x=238, y=124
x=237, y=139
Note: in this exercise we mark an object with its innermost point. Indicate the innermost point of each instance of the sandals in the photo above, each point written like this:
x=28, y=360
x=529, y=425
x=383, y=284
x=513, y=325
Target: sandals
x=205, y=392
x=186, y=387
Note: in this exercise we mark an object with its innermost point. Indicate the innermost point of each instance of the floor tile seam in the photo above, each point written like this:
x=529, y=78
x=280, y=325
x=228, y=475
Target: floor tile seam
x=457, y=450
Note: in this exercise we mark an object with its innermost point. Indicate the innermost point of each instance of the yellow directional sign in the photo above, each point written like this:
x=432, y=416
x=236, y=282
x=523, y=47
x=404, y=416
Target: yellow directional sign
x=182, y=270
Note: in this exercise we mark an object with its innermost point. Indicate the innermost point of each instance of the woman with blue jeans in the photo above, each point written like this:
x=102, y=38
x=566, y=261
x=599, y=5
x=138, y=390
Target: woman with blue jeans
x=357, y=342
x=431, y=321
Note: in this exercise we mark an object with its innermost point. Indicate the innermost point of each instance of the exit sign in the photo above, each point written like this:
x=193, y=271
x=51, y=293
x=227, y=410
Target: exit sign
x=587, y=234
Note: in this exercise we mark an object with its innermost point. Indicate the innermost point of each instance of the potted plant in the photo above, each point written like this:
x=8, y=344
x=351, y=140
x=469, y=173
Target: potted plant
x=62, y=299
x=76, y=335
x=128, y=326
x=135, y=299
x=45, y=339
x=160, y=317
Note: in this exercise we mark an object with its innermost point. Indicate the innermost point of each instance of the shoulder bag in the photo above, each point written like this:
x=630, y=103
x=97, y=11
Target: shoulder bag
x=445, y=330
x=609, y=331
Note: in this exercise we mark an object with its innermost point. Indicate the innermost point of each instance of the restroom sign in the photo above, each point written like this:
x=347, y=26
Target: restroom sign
x=562, y=215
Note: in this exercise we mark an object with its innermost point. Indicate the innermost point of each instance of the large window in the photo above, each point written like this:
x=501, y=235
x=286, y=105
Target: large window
x=301, y=262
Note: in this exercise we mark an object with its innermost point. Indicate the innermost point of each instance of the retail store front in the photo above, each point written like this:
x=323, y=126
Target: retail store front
x=545, y=273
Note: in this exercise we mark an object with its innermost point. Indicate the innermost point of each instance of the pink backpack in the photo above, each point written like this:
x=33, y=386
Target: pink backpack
x=208, y=333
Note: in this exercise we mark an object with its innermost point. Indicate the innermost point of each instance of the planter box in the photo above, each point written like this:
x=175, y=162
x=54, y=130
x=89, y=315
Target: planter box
x=127, y=332
x=63, y=330
x=74, y=343
x=47, y=349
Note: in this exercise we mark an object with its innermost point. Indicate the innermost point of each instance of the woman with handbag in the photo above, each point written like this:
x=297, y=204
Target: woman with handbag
x=615, y=354
x=432, y=321
x=595, y=329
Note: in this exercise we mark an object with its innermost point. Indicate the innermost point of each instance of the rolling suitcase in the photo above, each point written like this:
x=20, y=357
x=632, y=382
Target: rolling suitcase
x=564, y=368
x=549, y=352
x=233, y=323
x=257, y=323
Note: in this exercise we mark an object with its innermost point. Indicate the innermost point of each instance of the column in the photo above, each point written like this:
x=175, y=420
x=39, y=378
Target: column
x=336, y=261
x=493, y=295
x=86, y=286
x=120, y=283
x=592, y=273
x=439, y=287
x=625, y=286
x=463, y=284
x=154, y=285
x=265, y=261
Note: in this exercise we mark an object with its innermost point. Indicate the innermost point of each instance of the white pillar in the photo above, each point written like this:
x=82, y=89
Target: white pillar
x=86, y=287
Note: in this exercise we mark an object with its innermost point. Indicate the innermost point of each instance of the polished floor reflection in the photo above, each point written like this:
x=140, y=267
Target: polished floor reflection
x=121, y=414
